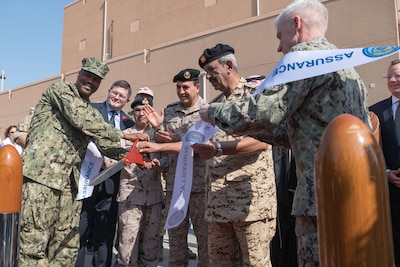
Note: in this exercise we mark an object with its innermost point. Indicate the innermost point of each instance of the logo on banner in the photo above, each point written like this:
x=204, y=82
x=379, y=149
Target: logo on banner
x=195, y=137
x=380, y=51
x=176, y=217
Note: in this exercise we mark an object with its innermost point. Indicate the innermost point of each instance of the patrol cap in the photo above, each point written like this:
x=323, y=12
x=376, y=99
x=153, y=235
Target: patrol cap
x=187, y=75
x=146, y=91
x=211, y=54
x=95, y=66
x=142, y=101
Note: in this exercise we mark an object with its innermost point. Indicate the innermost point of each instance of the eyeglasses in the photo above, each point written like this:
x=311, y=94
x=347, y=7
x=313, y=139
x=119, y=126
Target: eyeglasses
x=116, y=94
x=389, y=78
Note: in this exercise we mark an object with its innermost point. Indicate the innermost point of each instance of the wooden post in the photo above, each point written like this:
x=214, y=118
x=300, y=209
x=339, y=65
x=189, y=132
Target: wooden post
x=10, y=205
x=354, y=226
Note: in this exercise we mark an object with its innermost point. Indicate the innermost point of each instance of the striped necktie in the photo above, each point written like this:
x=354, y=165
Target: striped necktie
x=112, y=118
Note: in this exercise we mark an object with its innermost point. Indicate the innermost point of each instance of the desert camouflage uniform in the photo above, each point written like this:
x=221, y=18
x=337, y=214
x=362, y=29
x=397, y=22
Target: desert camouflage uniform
x=178, y=120
x=305, y=107
x=241, y=200
x=62, y=125
x=23, y=125
x=139, y=212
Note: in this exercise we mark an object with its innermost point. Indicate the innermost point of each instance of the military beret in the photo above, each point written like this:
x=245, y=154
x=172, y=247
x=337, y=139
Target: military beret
x=187, y=75
x=214, y=53
x=142, y=101
x=95, y=66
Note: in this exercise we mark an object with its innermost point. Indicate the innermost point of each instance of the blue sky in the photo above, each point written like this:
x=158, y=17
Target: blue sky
x=31, y=40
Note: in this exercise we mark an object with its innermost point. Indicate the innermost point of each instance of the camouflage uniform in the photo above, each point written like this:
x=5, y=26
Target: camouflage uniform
x=304, y=108
x=23, y=125
x=178, y=120
x=139, y=213
x=59, y=133
x=241, y=200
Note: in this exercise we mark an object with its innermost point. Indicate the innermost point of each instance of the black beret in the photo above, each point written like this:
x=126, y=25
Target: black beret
x=214, y=53
x=142, y=101
x=187, y=75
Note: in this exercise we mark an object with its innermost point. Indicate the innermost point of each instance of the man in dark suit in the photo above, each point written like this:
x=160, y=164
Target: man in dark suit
x=388, y=113
x=100, y=211
x=283, y=245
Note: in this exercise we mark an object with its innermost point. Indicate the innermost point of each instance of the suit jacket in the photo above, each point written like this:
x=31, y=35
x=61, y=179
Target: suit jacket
x=390, y=146
x=125, y=122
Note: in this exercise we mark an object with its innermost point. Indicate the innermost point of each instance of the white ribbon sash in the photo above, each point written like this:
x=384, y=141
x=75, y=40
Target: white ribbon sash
x=199, y=133
x=300, y=65
x=90, y=168
x=293, y=66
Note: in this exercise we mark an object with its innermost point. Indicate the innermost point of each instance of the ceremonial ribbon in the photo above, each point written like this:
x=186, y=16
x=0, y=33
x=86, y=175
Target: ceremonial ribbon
x=90, y=168
x=300, y=65
x=199, y=133
x=293, y=66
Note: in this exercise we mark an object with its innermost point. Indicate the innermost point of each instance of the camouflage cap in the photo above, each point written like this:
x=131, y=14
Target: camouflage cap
x=145, y=91
x=95, y=66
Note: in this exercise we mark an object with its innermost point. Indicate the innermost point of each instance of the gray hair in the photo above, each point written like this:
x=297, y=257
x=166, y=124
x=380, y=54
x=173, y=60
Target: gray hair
x=313, y=13
x=231, y=57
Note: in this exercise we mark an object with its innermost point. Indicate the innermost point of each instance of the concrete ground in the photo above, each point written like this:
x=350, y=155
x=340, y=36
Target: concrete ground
x=192, y=245
x=164, y=263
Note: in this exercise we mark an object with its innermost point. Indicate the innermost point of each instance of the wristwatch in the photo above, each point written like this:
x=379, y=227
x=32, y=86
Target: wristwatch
x=219, y=149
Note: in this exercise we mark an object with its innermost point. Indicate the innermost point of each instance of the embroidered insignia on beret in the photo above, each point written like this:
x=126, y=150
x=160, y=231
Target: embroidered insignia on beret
x=203, y=59
x=145, y=101
x=186, y=75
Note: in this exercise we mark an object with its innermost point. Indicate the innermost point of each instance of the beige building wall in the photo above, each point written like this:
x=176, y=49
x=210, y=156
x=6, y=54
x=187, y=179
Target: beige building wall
x=147, y=42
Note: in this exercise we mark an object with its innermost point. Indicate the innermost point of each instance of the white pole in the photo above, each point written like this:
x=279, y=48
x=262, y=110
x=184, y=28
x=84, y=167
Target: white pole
x=2, y=80
x=104, y=30
x=203, y=84
x=258, y=8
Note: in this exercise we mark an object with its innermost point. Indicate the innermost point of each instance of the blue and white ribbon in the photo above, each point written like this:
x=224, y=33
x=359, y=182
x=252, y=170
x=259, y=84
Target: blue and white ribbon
x=90, y=168
x=300, y=65
x=293, y=66
x=199, y=133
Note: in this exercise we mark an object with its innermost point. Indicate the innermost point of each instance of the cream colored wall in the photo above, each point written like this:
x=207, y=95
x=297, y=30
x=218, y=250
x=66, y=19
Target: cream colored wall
x=177, y=42
x=157, y=22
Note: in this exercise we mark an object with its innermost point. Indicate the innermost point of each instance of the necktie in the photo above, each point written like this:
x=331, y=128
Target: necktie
x=397, y=122
x=112, y=118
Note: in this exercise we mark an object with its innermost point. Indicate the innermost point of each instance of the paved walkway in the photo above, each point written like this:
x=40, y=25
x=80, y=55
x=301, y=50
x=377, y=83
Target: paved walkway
x=164, y=263
x=192, y=245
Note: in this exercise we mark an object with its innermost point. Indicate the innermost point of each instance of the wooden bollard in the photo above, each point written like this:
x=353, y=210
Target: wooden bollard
x=354, y=227
x=10, y=205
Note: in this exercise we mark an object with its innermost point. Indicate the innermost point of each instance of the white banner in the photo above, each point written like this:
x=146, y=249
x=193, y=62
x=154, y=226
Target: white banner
x=90, y=168
x=199, y=133
x=293, y=66
x=300, y=65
